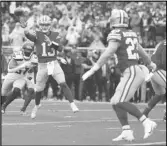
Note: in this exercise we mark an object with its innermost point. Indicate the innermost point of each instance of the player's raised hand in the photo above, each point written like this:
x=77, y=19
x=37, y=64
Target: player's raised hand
x=152, y=66
x=47, y=40
x=19, y=13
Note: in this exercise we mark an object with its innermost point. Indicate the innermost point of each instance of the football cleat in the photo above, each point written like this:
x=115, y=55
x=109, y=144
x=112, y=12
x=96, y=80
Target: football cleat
x=125, y=135
x=164, y=118
x=2, y=110
x=34, y=111
x=74, y=107
x=149, y=127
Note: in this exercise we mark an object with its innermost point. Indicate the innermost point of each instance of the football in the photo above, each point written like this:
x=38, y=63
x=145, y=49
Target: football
x=19, y=12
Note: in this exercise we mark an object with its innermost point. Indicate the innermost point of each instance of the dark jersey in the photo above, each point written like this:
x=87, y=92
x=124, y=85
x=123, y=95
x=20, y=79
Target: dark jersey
x=127, y=53
x=159, y=56
x=44, y=52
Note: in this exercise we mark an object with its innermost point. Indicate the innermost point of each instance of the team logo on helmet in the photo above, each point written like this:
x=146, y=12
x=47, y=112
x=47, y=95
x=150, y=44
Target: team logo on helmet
x=27, y=50
x=44, y=23
x=119, y=18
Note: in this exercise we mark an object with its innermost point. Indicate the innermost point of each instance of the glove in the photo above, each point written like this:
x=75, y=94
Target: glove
x=47, y=40
x=152, y=66
x=63, y=61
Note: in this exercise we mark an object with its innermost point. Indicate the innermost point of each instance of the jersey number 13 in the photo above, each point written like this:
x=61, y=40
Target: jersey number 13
x=45, y=52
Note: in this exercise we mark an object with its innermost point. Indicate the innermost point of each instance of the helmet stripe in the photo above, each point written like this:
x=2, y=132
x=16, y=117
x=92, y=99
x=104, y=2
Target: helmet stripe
x=122, y=17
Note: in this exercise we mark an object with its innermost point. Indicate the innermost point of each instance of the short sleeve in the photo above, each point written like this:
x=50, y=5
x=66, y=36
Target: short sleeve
x=114, y=35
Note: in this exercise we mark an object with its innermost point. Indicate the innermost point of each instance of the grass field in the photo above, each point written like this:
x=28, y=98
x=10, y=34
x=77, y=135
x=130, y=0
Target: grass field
x=55, y=124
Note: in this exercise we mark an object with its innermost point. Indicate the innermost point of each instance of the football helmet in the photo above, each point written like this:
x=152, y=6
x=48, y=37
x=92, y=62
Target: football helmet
x=44, y=23
x=119, y=18
x=27, y=50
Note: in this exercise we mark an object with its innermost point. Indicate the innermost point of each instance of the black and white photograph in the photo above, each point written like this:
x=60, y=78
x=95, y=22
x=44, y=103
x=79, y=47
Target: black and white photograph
x=83, y=73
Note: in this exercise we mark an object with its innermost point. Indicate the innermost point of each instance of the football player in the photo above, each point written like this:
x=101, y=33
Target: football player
x=125, y=44
x=158, y=79
x=47, y=43
x=19, y=77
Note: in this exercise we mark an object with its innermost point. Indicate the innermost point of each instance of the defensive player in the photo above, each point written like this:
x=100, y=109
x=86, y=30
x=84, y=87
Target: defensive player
x=20, y=76
x=125, y=44
x=158, y=80
x=47, y=44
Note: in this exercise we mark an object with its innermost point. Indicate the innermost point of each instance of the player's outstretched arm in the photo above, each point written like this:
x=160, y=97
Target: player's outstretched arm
x=146, y=58
x=109, y=51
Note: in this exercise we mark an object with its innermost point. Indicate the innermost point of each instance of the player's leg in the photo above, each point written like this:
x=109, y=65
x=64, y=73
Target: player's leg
x=158, y=82
x=8, y=85
x=41, y=79
x=6, y=89
x=18, y=85
x=30, y=93
x=130, y=82
x=59, y=76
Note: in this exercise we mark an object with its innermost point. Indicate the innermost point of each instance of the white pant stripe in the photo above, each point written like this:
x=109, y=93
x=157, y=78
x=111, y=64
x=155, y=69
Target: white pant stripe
x=162, y=75
x=128, y=85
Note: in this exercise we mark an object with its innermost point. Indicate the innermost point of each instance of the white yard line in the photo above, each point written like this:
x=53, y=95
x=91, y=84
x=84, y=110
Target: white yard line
x=84, y=102
x=60, y=122
x=152, y=143
x=86, y=110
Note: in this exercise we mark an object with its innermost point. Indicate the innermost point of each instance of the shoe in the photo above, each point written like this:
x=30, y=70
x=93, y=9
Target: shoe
x=34, y=112
x=164, y=118
x=149, y=127
x=74, y=107
x=23, y=113
x=125, y=135
x=3, y=109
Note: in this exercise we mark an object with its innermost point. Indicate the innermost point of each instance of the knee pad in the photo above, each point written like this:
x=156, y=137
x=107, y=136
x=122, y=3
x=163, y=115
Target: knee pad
x=16, y=91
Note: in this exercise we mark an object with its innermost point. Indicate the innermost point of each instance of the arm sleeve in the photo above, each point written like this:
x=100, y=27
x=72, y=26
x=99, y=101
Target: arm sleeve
x=144, y=55
x=157, y=54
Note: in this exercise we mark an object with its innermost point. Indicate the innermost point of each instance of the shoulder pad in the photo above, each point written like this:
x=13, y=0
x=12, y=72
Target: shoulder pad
x=114, y=35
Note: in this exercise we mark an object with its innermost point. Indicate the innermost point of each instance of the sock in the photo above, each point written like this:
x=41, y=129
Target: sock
x=67, y=92
x=3, y=99
x=142, y=118
x=126, y=127
x=122, y=115
x=28, y=99
x=152, y=104
x=38, y=97
x=131, y=109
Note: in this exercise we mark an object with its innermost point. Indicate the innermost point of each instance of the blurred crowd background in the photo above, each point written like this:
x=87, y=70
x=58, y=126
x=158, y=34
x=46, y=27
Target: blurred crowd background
x=84, y=28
